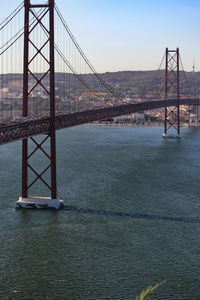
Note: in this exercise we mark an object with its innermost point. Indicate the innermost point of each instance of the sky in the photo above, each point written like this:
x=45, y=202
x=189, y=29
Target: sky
x=119, y=35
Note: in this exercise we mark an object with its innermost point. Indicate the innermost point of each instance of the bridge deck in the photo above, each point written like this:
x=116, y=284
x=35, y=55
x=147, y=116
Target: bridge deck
x=20, y=130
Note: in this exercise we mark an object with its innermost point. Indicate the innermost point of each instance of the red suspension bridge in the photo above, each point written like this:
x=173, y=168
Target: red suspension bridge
x=38, y=54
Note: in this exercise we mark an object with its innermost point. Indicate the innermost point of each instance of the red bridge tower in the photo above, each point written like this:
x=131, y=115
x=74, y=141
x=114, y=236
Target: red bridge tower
x=172, y=114
x=42, y=16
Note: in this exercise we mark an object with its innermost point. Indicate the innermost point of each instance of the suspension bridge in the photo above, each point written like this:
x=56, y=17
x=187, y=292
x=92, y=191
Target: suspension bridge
x=47, y=83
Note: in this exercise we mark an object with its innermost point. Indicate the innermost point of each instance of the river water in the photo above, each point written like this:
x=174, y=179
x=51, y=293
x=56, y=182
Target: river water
x=132, y=218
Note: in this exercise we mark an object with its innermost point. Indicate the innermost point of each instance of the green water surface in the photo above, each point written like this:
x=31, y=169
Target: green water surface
x=132, y=218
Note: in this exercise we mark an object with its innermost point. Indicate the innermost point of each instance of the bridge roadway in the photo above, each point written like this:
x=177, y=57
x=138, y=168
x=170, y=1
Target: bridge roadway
x=24, y=129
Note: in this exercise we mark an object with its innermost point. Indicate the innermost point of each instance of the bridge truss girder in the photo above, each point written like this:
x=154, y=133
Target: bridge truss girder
x=32, y=127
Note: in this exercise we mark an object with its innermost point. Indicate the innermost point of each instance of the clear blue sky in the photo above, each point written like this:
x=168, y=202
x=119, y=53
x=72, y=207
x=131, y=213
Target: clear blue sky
x=131, y=34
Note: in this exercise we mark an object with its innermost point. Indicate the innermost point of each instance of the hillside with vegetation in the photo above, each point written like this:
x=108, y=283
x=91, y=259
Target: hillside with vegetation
x=143, y=83
x=127, y=83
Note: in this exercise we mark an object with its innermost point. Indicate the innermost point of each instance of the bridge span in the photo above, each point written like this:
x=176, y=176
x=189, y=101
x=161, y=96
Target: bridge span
x=45, y=51
x=32, y=127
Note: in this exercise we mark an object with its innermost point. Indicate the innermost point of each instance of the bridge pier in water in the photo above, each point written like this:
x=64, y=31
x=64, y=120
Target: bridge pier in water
x=25, y=201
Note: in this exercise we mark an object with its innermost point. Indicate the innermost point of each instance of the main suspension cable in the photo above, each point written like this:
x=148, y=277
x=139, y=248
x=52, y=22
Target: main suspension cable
x=110, y=89
x=75, y=73
x=186, y=79
x=16, y=37
x=71, y=67
x=11, y=16
x=154, y=76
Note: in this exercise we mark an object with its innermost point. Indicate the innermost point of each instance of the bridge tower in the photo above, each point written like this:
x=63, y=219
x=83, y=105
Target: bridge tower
x=197, y=106
x=39, y=15
x=172, y=114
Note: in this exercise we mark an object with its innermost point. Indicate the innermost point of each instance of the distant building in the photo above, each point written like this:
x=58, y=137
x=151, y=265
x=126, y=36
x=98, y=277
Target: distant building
x=122, y=119
x=138, y=117
x=193, y=118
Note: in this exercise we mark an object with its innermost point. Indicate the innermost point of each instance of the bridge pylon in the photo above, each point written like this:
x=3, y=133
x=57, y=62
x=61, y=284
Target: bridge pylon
x=172, y=114
x=42, y=47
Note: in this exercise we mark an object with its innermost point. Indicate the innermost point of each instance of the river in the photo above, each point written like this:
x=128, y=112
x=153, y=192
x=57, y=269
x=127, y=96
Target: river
x=132, y=218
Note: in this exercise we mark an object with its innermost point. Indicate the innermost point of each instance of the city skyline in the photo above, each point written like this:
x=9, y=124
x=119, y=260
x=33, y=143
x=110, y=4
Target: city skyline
x=131, y=35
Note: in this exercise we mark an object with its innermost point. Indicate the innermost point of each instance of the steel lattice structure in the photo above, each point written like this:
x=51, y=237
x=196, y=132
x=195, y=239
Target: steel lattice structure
x=172, y=114
x=30, y=128
x=27, y=89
